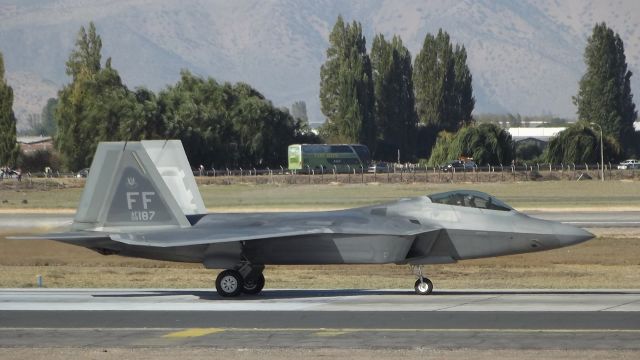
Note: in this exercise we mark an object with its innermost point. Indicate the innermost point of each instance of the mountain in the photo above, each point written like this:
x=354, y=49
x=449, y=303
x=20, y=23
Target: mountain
x=525, y=56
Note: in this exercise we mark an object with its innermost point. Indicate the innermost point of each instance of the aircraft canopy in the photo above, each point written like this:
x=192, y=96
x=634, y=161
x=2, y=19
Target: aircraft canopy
x=469, y=198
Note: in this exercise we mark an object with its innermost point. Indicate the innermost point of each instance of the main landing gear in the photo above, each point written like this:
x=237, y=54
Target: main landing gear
x=423, y=285
x=245, y=278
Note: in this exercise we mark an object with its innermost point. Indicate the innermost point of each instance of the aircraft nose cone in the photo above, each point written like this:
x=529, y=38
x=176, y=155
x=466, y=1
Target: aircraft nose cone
x=570, y=235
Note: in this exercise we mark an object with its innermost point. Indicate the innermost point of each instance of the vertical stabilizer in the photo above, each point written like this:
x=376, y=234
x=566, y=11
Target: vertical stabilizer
x=139, y=185
x=172, y=164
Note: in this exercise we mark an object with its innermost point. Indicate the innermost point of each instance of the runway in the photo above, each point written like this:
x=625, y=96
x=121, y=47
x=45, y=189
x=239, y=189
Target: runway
x=478, y=319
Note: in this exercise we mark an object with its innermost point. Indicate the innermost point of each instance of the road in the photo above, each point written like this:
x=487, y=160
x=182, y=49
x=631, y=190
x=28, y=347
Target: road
x=475, y=319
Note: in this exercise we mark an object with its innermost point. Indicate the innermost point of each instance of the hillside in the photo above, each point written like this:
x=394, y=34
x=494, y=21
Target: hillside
x=526, y=57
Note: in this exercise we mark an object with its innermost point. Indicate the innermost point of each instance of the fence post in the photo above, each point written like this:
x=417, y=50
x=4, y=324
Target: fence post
x=335, y=172
x=321, y=174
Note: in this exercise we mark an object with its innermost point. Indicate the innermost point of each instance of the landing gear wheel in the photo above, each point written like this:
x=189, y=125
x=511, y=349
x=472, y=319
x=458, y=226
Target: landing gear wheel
x=423, y=286
x=254, y=285
x=229, y=283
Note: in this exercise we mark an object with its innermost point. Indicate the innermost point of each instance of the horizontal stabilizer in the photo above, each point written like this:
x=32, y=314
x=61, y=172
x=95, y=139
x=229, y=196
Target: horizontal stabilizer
x=69, y=236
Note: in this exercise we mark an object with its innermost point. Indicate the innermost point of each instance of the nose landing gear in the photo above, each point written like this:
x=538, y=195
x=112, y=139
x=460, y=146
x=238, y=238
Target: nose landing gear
x=423, y=286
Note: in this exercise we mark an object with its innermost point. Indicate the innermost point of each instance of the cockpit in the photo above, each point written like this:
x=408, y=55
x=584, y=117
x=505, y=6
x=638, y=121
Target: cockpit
x=469, y=198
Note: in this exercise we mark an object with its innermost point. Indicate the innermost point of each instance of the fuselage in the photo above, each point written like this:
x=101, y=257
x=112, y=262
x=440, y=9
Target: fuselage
x=436, y=233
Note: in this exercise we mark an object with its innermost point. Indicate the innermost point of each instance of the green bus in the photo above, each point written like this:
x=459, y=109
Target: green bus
x=325, y=157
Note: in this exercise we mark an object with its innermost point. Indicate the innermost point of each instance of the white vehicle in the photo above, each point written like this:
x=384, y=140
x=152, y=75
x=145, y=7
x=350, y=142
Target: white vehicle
x=629, y=164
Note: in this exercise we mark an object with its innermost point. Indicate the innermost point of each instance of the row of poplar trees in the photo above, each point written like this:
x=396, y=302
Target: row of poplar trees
x=387, y=101
x=9, y=148
x=220, y=125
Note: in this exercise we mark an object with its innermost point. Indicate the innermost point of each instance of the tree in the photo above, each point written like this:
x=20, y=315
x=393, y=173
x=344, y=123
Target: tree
x=43, y=124
x=443, y=84
x=299, y=111
x=146, y=122
x=85, y=58
x=9, y=148
x=486, y=144
x=579, y=144
x=394, y=100
x=346, y=87
x=227, y=125
x=434, y=78
x=93, y=107
x=604, y=95
x=464, y=102
x=47, y=118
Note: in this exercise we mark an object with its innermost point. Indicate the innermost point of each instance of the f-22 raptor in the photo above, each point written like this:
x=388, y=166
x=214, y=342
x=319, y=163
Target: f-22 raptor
x=141, y=200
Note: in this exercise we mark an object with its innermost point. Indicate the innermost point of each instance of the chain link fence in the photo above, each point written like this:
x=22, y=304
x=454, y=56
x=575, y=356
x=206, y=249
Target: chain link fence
x=398, y=175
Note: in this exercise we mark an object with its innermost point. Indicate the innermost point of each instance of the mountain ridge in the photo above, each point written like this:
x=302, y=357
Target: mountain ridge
x=525, y=57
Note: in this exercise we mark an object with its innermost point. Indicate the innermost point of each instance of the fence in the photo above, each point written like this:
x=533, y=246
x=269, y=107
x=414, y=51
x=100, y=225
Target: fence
x=417, y=174
x=410, y=174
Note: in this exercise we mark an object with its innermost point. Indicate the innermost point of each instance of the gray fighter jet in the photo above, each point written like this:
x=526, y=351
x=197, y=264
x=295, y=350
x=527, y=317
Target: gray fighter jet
x=141, y=200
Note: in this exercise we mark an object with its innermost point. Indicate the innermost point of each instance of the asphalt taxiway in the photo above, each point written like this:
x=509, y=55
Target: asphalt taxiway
x=482, y=319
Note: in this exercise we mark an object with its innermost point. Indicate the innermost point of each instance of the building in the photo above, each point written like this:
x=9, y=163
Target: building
x=541, y=134
x=29, y=144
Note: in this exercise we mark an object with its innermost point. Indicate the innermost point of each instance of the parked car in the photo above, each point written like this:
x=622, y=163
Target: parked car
x=629, y=164
x=459, y=165
x=378, y=168
x=83, y=173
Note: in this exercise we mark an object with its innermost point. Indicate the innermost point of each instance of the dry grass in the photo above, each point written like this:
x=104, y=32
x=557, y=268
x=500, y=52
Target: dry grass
x=612, y=260
x=547, y=194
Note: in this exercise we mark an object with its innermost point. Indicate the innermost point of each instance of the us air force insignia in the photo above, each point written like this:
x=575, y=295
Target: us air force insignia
x=131, y=183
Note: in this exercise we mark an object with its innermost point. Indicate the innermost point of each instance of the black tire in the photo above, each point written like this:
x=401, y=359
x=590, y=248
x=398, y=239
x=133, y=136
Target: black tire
x=424, y=287
x=253, y=286
x=229, y=283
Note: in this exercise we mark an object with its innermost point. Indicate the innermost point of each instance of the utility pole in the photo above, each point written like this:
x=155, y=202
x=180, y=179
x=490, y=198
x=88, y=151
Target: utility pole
x=601, y=152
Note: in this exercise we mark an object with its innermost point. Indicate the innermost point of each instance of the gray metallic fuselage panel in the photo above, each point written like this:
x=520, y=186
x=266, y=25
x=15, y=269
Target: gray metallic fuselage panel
x=412, y=231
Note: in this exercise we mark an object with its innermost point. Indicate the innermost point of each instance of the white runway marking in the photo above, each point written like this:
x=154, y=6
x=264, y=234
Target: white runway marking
x=321, y=300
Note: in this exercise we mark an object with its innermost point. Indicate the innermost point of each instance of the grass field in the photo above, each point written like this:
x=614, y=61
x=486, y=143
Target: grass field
x=240, y=197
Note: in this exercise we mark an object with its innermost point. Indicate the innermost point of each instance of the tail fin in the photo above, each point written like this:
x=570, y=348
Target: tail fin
x=137, y=185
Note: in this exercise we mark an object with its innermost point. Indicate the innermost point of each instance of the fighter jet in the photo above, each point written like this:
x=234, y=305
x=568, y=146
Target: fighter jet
x=141, y=200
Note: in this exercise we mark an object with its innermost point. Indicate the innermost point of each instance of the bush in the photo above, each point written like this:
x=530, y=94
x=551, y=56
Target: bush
x=38, y=160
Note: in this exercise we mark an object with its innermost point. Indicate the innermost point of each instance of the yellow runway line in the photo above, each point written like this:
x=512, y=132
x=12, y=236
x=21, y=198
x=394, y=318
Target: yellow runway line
x=195, y=332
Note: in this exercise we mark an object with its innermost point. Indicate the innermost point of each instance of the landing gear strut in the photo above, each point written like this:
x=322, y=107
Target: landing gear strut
x=423, y=285
x=244, y=278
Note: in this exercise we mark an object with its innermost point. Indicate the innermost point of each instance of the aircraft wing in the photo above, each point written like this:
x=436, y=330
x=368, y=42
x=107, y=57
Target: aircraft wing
x=273, y=227
x=233, y=228
x=78, y=236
